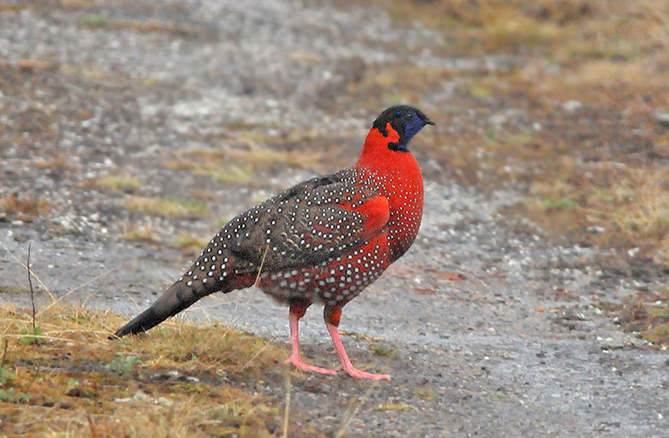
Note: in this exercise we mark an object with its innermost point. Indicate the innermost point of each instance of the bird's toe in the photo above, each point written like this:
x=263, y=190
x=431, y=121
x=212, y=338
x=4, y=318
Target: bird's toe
x=358, y=374
x=308, y=367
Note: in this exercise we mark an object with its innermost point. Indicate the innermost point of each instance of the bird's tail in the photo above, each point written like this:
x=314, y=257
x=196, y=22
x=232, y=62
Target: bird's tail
x=175, y=299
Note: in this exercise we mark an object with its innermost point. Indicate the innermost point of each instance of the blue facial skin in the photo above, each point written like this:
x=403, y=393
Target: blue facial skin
x=411, y=128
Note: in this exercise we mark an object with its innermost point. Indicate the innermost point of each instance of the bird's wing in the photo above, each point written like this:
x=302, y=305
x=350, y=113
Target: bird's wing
x=310, y=223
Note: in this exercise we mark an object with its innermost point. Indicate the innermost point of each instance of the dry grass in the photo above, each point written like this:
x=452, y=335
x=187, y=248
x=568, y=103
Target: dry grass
x=18, y=5
x=644, y=212
x=425, y=394
x=236, y=165
x=646, y=313
x=571, y=122
x=628, y=205
x=24, y=208
x=394, y=407
x=58, y=163
x=141, y=233
x=70, y=380
x=571, y=28
x=14, y=290
x=101, y=21
x=166, y=206
x=601, y=165
x=118, y=183
x=189, y=243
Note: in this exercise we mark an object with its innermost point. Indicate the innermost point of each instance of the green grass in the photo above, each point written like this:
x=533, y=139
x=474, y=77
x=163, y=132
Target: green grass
x=123, y=364
x=95, y=20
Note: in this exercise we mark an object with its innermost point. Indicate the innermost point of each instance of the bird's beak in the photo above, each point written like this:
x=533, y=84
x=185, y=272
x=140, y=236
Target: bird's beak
x=427, y=120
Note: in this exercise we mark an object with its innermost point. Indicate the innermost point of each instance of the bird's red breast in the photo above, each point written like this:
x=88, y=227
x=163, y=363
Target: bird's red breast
x=398, y=173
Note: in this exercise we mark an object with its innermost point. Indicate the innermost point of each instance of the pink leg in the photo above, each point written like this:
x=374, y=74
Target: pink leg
x=332, y=316
x=297, y=310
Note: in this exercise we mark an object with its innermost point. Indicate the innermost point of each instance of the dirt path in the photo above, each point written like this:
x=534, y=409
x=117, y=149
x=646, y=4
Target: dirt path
x=518, y=347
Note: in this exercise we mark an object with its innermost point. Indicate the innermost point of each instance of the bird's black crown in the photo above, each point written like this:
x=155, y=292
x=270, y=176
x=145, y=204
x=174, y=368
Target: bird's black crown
x=405, y=120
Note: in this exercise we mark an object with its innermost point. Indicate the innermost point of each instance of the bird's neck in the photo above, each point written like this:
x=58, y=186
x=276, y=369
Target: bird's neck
x=399, y=167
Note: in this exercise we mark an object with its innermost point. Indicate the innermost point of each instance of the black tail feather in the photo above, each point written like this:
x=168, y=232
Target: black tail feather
x=174, y=300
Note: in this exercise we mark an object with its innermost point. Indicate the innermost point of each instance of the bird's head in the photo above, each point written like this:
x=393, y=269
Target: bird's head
x=399, y=124
x=386, y=145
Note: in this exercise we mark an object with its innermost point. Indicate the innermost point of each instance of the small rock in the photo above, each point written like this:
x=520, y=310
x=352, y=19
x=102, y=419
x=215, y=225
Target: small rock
x=163, y=401
x=141, y=396
x=662, y=117
x=138, y=396
x=633, y=252
x=497, y=119
x=571, y=105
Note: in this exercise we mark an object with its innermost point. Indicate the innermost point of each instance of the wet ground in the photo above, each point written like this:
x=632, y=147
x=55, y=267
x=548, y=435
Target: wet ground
x=516, y=345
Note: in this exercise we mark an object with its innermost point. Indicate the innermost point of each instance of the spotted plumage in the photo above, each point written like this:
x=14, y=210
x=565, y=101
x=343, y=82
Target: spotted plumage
x=323, y=240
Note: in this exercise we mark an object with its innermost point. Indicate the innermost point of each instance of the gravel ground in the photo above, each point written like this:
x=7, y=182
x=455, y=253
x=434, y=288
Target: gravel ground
x=517, y=346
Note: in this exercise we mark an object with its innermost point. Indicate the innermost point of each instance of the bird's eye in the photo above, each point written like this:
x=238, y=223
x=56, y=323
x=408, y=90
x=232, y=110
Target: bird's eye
x=398, y=113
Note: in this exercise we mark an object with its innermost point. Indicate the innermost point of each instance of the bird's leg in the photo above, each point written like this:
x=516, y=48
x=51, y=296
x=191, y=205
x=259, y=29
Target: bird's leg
x=297, y=310
x=332, y=316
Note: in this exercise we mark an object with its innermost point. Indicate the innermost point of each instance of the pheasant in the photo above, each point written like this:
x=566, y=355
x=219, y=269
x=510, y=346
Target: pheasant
x=323, y=240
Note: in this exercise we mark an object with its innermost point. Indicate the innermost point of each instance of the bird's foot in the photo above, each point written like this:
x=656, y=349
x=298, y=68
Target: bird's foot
x=297, y=363
x=358, y=374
